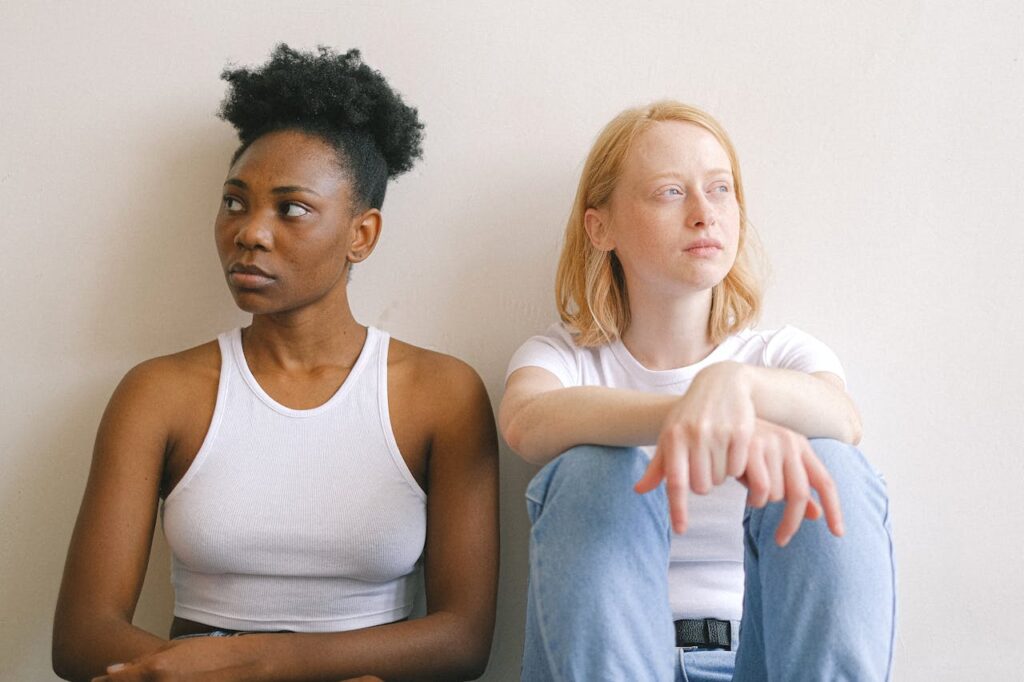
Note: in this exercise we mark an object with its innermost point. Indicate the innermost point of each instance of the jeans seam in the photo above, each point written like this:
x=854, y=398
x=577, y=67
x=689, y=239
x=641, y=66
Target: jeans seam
x=887, y=524
x=535, y=587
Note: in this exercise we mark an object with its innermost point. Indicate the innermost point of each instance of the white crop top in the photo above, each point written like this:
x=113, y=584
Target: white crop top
x=301, y=520
x=706, y=563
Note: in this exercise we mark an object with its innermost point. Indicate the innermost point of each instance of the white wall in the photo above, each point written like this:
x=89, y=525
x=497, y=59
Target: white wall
x=882, y=148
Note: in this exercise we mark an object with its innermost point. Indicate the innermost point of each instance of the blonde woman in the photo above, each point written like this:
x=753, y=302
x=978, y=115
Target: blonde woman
x=655, y=386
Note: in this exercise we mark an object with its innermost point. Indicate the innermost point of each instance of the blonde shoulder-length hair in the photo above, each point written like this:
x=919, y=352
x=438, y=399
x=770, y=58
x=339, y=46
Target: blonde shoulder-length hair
x=590, y=288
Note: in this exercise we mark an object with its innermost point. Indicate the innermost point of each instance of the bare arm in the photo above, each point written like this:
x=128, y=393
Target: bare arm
x=452, y=642
x=109, y=549
x=734, y=420
x=815, y=405
x=540, y=419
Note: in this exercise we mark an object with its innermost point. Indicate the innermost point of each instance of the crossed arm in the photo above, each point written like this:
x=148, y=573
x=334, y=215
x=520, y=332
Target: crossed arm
x=737, y=420
x=109, y=552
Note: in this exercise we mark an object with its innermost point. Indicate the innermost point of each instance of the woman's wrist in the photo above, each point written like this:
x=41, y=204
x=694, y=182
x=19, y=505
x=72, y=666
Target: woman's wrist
x=730, y=374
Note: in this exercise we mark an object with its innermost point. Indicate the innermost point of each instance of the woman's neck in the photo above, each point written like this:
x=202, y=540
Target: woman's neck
x=323, y=333
x=668, y=332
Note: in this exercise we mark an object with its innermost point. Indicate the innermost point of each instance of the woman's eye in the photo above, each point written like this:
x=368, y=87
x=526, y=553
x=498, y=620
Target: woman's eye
x=672, y=192
x=720, y=188
x=232, y=204
x=291, y=210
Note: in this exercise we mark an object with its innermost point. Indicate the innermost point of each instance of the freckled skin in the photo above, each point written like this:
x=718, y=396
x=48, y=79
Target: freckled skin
x=675, y=187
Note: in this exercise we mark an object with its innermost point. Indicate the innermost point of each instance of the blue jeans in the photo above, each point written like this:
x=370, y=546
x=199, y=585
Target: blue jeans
x=822, y=608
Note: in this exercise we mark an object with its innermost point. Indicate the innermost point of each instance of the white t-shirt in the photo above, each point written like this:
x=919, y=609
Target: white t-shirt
x=706, y=563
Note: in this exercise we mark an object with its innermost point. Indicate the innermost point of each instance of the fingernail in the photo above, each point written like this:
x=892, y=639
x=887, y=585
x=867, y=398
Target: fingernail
x=115, y=667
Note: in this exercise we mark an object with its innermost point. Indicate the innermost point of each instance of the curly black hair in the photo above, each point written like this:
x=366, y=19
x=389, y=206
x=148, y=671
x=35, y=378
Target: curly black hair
x=335, y=97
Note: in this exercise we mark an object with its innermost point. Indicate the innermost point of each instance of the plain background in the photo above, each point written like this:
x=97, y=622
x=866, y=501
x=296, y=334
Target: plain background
x=881, y=146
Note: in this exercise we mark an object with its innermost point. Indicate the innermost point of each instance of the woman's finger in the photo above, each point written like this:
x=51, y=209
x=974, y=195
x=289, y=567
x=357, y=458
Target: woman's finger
x=756, y=476
x=717, y=445
x=813, y=512
x=654, y=473
x=773, y=457
x=677, y=484
x=797, y=495
x=739, y=452
x=117, y=672
x=821, y=480
x=700, y=466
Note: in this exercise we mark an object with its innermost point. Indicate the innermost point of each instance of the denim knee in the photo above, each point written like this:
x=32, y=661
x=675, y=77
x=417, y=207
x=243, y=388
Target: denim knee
x=588, y=472
x=861, y=490
x=825, y=599
x=836, y=454
x=597, y=606
x=853, y=474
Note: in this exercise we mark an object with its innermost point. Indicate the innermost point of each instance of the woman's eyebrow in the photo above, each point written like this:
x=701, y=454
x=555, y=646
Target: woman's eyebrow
x=288, y=189
x=284, y=189
x=712, y=172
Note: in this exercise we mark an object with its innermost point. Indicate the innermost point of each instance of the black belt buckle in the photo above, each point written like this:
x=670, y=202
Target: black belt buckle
x=704, y=633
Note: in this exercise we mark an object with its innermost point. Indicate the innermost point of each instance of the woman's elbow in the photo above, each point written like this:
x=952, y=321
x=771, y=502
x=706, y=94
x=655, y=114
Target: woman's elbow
x=474, y=657
x=510, y=432
x=856, y=429
x=527, y=448
x=62, y=661
x=472, y=667
x=517, y=436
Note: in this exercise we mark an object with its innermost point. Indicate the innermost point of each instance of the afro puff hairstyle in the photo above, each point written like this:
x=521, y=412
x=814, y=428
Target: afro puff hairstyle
x=335, y=97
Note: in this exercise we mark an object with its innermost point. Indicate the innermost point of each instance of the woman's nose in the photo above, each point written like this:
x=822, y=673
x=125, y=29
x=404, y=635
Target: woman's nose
x=254, y=234
x=700, y=213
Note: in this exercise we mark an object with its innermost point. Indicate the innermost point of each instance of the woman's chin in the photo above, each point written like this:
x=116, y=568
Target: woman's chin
x=254, y=305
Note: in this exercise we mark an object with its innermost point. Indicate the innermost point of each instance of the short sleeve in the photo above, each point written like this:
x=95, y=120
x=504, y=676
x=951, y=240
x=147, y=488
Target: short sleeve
x=790, y=348
x=554, y=351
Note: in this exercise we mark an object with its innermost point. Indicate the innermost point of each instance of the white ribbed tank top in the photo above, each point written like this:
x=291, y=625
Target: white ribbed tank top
x=302, y=520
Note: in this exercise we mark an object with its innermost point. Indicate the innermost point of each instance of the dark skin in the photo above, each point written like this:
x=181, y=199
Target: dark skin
x=288, y=211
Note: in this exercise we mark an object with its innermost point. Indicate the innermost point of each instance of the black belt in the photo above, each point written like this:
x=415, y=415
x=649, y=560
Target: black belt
x=709, y=633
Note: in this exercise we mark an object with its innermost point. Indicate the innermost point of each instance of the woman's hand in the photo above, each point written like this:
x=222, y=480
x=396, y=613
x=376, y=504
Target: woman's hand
x=200, y=659
x=704, y=438
x=713, y=432
x=782, y=465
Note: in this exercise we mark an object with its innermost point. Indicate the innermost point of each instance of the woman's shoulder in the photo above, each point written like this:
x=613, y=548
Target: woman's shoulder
x=191, y=364
x=439, y=391
x=785, y=335
x=786, y=347
x=157, y=402
x=560, y=337
x=173, y=380
x=419, y=367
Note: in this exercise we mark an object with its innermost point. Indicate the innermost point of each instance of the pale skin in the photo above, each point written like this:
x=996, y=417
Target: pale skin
x=288, y=210
x=673, y=221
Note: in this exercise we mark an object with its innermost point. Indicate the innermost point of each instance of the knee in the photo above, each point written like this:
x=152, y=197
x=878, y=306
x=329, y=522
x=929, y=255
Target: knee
x=595, y=471
x=598, y=465
x=596, y=478
x=849, y=468
x=862, y=493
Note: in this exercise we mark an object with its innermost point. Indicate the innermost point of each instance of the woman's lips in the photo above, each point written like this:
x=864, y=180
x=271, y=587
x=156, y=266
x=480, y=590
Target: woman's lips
x=249, y=277
x=704, y=248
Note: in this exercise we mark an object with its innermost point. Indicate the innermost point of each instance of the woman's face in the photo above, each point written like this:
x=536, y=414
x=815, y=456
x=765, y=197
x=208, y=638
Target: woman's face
x=673, y=219
x=286, y=230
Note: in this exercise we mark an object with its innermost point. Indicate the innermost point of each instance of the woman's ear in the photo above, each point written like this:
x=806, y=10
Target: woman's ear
x=366, y=228
x=597, y=223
